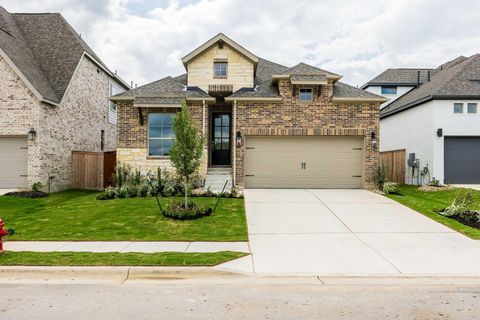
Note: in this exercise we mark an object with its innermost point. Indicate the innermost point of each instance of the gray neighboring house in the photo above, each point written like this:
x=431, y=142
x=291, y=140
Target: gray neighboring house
x=439, y=121
x=53, y=100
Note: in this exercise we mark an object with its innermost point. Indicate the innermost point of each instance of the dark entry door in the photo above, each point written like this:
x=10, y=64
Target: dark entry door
x=462, y=160
x=221, y=139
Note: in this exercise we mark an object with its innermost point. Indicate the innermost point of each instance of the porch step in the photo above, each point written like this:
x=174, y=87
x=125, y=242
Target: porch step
x=219, y=171
x=216, y=178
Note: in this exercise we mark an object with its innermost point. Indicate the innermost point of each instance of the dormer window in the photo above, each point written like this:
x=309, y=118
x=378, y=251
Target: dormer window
x=305, y=95
x=220, y=70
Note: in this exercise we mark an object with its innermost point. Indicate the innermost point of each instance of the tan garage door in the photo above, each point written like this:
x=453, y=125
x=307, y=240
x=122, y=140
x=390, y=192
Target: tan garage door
x=13, y=162
x=304, y=162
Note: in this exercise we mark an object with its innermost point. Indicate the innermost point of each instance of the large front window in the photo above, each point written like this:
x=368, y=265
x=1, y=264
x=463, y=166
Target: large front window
x=160, y=133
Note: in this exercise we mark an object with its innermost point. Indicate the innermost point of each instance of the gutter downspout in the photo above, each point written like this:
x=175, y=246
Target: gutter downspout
x=234, y=134
x=203, y=134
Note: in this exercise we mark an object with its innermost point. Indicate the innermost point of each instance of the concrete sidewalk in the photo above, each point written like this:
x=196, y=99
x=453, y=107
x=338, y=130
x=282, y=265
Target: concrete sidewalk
x=125, y=246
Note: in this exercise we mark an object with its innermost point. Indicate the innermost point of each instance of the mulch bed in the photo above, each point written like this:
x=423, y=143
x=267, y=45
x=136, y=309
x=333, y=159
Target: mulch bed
x=427, y=188
x=28, y=194
x=468, y=222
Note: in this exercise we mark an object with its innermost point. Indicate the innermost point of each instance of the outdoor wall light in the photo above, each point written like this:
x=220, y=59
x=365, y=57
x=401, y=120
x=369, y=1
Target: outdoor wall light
x=32, y=134
x=439, y=132
x=239, y=139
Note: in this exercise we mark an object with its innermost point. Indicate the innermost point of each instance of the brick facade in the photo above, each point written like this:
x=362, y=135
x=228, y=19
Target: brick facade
x=289, y=117
x=319, y=117
x=132, y=144
x=75, y=124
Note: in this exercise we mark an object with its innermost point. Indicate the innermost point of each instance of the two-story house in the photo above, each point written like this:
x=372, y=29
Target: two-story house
x=437, y=123
x=266, y=125
x=53, y=100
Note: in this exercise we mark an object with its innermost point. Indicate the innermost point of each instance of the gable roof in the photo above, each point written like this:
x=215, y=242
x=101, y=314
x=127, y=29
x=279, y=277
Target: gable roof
x=346, y=92
x=304, y=69
x=167, y=87
x=400, y=77
x=264, y=88
x=219, y=38
x=45, y=50
x=460, y=80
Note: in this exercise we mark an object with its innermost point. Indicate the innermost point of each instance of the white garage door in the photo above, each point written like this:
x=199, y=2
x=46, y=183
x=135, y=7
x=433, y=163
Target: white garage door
x=13, y=162
x=304, y=162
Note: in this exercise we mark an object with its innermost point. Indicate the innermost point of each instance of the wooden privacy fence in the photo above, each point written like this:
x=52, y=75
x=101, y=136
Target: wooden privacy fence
x=93, y=170
x=395, y=161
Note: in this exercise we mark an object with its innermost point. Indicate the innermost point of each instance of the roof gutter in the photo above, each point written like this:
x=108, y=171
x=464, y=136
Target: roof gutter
x=348, y=99
x=255, y=99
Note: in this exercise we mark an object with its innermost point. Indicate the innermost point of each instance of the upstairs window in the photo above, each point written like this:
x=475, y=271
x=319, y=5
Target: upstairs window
x=458, y=108
x=160, y=134
x=389, y=90
x=220, y=70
x=112, y=107
x=471, y=108
x=305, y=94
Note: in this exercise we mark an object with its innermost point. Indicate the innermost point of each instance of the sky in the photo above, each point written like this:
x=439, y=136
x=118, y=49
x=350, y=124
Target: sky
x=145, y=39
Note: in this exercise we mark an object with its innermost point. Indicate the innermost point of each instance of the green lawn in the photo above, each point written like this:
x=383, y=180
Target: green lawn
x=428, y=202
x=77, y=215
x=116, y=259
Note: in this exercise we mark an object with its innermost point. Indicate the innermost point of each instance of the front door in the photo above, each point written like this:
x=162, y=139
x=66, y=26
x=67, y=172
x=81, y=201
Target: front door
x=220, y=143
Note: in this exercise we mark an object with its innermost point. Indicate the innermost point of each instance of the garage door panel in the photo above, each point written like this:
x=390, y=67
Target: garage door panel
x=13, y=162
x=330, y=162
x=462, y=160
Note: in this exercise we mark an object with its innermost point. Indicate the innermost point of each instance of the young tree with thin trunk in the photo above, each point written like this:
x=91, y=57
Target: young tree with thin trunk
x=187, y=149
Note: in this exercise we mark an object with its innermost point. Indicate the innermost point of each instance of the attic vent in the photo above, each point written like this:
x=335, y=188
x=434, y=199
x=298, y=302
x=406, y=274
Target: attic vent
x=220, y=44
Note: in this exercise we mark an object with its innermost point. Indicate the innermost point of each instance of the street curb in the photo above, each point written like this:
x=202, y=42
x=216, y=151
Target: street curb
x=107, y=273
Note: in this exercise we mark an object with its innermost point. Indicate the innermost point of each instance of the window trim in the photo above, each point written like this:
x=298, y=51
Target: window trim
x=388, y=87
x=300, y=91
x=112, y=106
x=456, y=104
x=148, y=136
x=215, y=76
x=472, y=104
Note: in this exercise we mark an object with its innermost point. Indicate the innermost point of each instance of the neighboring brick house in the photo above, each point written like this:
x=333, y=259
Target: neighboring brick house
x=266, y=125
x=53, y=99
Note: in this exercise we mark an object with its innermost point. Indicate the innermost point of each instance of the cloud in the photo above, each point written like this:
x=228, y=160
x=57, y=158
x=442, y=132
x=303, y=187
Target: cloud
x=145, y=40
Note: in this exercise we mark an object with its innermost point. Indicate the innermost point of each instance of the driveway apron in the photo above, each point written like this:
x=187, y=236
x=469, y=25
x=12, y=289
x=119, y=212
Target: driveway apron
x=348, y=232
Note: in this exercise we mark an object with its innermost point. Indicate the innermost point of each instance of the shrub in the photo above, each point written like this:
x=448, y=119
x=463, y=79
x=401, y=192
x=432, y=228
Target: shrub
x=122, y=175
x=390, y=187
x=107, y=194
x=380, y=175
x=434, y=183
x=122, y=192
x=177, y=210
x=132, y=191
x=36, y=186
x=143, y=191
x=462, y=202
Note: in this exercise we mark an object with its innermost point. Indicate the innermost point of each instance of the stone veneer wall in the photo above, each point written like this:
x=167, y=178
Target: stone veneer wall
x=320, y=117
x=133, y=137
x=74, y=125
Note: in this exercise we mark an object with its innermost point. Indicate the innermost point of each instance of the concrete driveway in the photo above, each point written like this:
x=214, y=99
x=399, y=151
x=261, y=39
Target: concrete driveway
x=348, y=232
